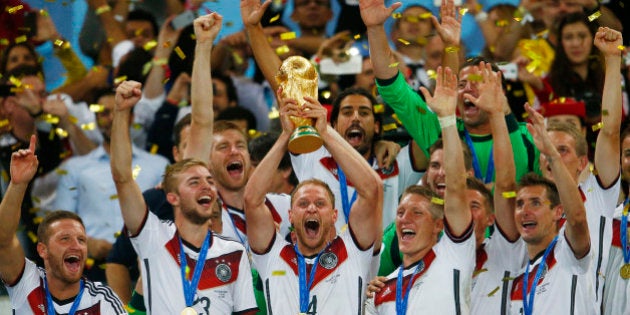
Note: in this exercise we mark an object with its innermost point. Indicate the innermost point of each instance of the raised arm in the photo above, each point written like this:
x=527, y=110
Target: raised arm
x=154, y=86
x=374, y=14
x=492, y=100
x=260, y=224
x=200, y=139
x=266, y=58
x=570, y=198
x=130, y=197
x=366, y=213
x=444, y=103
x=449, y=30
x=23, y=167
x=608, y=41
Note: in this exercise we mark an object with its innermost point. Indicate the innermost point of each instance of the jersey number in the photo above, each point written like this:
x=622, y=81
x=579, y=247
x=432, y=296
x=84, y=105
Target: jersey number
x=204, y=301
x=312, y=307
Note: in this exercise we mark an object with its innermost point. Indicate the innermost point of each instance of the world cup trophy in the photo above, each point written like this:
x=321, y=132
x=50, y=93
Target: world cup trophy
x=298, y=78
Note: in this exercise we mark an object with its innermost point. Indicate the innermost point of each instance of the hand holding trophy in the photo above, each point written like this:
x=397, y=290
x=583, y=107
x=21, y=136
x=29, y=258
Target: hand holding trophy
x=298, y=78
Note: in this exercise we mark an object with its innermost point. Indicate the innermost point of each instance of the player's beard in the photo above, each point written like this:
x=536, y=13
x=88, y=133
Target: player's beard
x=192, y=215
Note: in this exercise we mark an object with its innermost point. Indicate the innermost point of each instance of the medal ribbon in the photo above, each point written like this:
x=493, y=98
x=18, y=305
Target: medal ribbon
x=476, y=166
x=50, y=308
x=190, y=287
x=623, y=231
x=343, y=187
x=528, y=305
x=403, y=297
x=304, y=287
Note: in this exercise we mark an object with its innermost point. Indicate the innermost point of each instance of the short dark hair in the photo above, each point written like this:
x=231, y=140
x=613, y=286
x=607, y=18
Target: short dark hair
x=230, y=89
x=132, y=65
x=52, y=217
x=437, y=210
x=4, y=57
x=475, y=184
x=239, y=113
x=258, y=148
x=533, y=179
x=439, y=145
x=474, y=61
x=334, y=113
x=142, y=15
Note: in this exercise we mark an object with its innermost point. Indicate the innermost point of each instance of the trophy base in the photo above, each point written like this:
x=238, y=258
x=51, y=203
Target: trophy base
x=304, y=139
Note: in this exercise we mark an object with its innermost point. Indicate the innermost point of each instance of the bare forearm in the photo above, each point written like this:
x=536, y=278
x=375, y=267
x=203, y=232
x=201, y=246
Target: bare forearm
x=608, y=138
x=381, y=54
x=266, y=57
x=455, y=207
x=505, y=175
x=10, y=212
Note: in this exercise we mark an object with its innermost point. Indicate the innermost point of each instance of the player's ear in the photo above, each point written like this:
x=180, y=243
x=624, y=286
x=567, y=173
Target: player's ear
x=42, y=250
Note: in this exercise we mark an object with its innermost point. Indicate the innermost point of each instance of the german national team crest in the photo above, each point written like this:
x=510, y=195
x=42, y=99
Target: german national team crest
x=328, y=260
x=224, y=273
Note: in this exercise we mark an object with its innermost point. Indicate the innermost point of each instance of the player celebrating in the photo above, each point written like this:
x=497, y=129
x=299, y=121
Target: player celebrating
x=323, y=273
x=63, y=247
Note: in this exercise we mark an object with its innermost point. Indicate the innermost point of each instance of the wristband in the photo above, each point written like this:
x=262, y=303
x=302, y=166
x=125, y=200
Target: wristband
x=447, y=121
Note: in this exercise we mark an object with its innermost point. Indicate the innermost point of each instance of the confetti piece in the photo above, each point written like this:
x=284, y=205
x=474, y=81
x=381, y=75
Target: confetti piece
x=21, y=39
x=389, y=127
x=393, y=65
x=412, y=19
x=519, y=93
x=113, y=197
x=493, y=291
x=136, y=170
x=604, y=112
x=61, y=132
x=51, y=119
x=154, y=149
x=621, y=47
x=287, y=35
x=60, y=171
x=379, y=109
x=193, y=36
x=165, y=80
x=396, y=119
x=275, y=18
x=404, y=42
x=38, y=220
x=278, y=273
x=594, y=16
x=326, y=94
x=5, y=175
x=96, y=108
x=397, y=15
x=502, y=23
x=422, y=111
x=34, y=210
x=72, y=188
x=65, y=154
x=463, y=11
x=597, y=126
x=451, y=49
x=426, y=15
x=274, y=113
x=89, y=263
x=477, y=272
x=282, y=50
x=525, y=115
x=509, y=194
x=102, y=9
x=137, y=126
x=437, y=201
x=43, y=12
x=253, y=133
x=187, y=272
x=180, y=53
x=356, y=37
x=229, y=24
x=117, y=234
x=150, y=45
x=13, y=10
x=238, y=60
x=432, y=74
x=120, y=79
x=32, y=236
x=4, y=123
x=4, y=41
x=475, y=78
x=147, y=67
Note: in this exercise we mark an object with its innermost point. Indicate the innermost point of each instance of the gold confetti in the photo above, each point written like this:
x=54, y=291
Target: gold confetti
x=5, y=175
x=165, y=80
x=396, y=119
x=502, y=23
x=96, y=108
x=287, y=35
x=475, y=77
x=282, y=50
x=604, y=112
x=65, y=154
x=437, y=201
x=102, y=9
x=61, y=172
x=393, y=65
x=238, y=60
x=422, y=111
x=193, y=36
x=38, y=220
x=32, y=236
x=21, y=39
x=404, y=42
x=147, y=67
x=274, y=113
x=117, y=234
x=389, y=127
x=525, y=115
x=13, y=10
x=4, y=41
x=621, y=47
x=426, y=15
x=120, y=79
x=183, y=103
x=150, y=45
x=136, y=171
x=451, y=49
x=356, y=37
x=542, y=34
x=137, y=126
x=597, y=126
x=379, y=108
x=509, y=194
x=61, y=132
x=253, y=133
x=51, y=119
x=180, y=53
x=89, y=262
x=396, y=15
x=477, y=272
x=275, y=18
x=229, y=23
x=34, y=210
x=154, y=149
x=43, y=12
x=432, y=74
x=493, y=291
x=113, y=197
x=278, y=273
x=88, y=126
x=594, y=16
x=463, y=11
x=326, y=94
x=4, y=123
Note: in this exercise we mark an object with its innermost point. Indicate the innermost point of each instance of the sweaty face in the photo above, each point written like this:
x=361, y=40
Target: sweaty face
x=313, y=216
x=577, y=41
x=65, y=253
x=435, y=173
x=230, y=161
x=472, y=115
x=356, y=122
x=196, y=194
x=416, y=228
x=536, y=221
x=19, y=56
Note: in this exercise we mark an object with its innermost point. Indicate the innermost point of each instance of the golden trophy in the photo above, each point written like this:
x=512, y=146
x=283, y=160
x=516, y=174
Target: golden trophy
x=298, y=79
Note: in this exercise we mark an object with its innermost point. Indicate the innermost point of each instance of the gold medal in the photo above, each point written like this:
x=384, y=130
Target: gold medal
x=625, y=271
x=189, y=311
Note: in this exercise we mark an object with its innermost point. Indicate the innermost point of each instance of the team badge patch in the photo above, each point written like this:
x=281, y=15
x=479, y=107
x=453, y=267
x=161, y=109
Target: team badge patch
x=224, y=273
x=328, y=260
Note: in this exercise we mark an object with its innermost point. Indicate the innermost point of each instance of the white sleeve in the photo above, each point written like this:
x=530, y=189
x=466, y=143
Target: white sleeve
x=370, y=308
x=153, y=234
x=244, y=288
